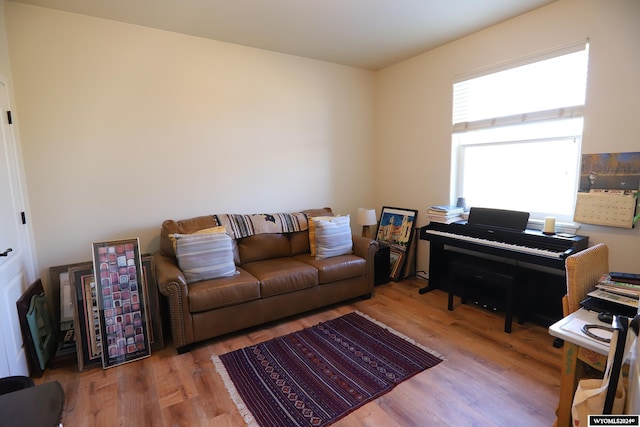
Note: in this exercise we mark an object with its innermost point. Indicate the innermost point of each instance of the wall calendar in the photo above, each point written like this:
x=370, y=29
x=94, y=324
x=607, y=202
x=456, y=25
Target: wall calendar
x=609, y=184
x=614, y=210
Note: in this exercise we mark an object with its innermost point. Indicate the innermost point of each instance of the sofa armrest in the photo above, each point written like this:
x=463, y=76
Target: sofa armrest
x=167, y=271
x=173, y=285
x=366, y=248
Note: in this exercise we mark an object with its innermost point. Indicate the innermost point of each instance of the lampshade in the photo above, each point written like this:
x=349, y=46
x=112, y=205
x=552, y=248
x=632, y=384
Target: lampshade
x=367, y=216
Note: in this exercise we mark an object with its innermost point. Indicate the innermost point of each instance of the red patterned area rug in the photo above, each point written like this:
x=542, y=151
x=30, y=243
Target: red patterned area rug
x=318, y=375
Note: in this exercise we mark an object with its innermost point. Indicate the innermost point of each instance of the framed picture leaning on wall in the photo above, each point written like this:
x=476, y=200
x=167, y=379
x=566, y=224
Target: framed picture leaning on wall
x=86, y=316
x=152, y=303
x=121, y=301
x=395, y=228
x=397, y=259
x=59, y=286
x=38, y=328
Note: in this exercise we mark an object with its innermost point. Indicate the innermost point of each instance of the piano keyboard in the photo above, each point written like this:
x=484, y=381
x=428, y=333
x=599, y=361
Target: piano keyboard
x=500, y=245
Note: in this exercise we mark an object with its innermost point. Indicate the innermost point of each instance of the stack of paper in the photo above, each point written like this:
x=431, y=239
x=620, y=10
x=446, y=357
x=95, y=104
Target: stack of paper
x=444, y=214
x=629, y=290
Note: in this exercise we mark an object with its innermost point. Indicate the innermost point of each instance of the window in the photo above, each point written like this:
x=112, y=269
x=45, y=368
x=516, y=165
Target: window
x=517, y=135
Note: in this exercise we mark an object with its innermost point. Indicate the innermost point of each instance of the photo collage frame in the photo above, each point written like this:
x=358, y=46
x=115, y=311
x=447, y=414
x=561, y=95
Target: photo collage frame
x=121, y=302
x=84, y=321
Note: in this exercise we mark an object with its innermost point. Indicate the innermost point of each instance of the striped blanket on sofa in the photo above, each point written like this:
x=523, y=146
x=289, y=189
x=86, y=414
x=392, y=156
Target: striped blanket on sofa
x=239, y=226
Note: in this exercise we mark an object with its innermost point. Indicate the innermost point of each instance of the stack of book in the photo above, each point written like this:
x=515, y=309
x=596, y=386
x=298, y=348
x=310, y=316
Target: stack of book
x=621, y=291
x=444, y=214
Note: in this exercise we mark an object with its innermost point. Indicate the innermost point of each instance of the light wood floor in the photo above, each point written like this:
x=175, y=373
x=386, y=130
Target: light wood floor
x=489, y=378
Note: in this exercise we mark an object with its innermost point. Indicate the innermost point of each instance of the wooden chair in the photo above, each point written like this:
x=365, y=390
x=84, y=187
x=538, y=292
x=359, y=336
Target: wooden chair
x=583, y=271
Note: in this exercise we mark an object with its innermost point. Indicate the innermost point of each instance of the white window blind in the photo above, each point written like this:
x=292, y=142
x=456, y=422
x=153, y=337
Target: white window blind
x=545, y=90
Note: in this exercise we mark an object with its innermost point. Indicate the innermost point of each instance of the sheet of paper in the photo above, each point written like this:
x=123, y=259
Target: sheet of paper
x=575, y=325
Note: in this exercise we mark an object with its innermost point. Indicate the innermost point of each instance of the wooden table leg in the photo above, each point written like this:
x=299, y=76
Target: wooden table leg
x=568, y=382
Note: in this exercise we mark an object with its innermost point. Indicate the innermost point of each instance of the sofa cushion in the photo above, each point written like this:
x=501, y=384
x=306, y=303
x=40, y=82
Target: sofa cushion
x=333, y=236
x=205, y=256
x=336, y=268
x=282, y=275
x=299, y=242
x=226, y=291
x=262, y=247
x=318, y=212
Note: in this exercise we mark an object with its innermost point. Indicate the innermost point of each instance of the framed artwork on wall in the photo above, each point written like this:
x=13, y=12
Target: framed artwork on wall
x=122, y=306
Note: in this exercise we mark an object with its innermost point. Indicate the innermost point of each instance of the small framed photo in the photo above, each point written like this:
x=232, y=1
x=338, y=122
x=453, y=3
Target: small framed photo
x=397, y=261
x=122, y=302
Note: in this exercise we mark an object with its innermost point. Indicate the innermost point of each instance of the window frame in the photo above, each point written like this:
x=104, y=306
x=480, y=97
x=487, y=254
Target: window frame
x=458, y=148
x=458, y=155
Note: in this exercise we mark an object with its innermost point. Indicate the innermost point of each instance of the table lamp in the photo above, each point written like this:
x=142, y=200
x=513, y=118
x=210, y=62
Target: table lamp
x=366, y=218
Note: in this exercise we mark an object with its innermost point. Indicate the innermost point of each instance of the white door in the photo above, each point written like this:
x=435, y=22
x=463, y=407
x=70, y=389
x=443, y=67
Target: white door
x=16, y=262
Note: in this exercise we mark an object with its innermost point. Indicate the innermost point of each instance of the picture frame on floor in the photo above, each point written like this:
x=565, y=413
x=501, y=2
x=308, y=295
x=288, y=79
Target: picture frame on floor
x=154, y=317
x=38, y=328
x=397, y=261
x=122, y=306
x=59, y=288
x=86, y=316
x=395, y=228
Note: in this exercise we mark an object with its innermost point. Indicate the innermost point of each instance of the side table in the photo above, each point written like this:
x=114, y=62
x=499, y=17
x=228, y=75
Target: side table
x=577, y=348
x=382, y=264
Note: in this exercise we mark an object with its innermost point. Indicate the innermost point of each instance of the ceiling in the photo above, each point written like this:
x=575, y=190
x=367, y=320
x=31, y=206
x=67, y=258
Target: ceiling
x=368, y=34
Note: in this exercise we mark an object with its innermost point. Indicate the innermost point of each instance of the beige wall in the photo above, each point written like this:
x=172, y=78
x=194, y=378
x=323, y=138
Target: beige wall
x=413, y=103
x=124, y=126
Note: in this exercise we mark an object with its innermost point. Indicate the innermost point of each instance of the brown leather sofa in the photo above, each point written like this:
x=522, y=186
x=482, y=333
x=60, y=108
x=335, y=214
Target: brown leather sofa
x=291, y=281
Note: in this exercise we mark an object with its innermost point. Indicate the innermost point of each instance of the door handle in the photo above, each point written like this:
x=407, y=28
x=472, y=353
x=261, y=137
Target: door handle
x=5, y=253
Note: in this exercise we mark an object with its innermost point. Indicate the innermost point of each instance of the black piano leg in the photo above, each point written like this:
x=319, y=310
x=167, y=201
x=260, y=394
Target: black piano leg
x=425, y=289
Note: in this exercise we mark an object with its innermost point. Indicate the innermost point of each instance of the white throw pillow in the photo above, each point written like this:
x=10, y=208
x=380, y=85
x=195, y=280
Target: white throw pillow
x=333, y=236
x=205, y=256
x=312, y=232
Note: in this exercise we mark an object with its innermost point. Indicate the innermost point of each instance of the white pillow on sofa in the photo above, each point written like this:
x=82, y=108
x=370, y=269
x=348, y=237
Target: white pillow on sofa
x=205, y=256
x=333, y=236
x=312, y=232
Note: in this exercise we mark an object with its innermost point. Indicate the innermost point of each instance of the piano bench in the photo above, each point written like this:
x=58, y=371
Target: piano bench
x=487, y=273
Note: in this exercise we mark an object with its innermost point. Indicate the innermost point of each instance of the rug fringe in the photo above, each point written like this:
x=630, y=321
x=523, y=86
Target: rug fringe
x=233, y=392
x=401, y=335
